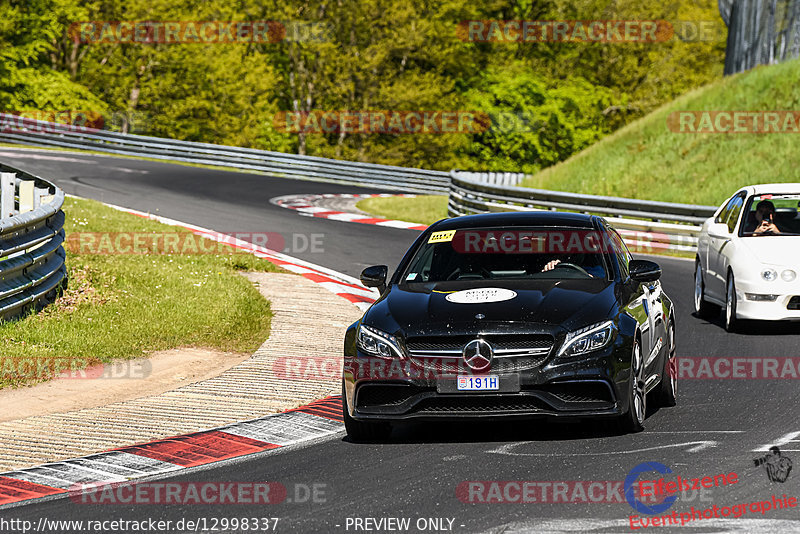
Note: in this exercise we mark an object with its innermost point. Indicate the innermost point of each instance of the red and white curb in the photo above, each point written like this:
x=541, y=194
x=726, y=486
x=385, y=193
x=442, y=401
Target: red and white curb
x=338, y=283
x=308, y=205
x=313, y=421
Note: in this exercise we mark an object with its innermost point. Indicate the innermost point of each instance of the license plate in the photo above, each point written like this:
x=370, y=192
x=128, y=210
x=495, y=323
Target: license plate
x=478, y=383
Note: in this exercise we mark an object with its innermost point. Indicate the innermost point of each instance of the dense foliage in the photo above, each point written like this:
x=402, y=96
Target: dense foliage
x=546, y=100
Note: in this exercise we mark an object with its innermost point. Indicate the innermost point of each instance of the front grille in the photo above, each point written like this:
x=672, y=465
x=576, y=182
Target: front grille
x=383, y=394
x=481, y=404
x=512, y=352
x=498, y=341
x=794, y=303
x=420, y=344
x=580, y=392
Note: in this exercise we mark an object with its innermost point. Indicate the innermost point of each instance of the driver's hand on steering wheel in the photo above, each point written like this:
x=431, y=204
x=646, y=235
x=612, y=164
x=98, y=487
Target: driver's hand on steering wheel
x=550, y=265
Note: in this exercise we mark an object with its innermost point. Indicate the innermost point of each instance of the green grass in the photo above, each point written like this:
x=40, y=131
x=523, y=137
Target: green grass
x=647, y=160
x=423, y=209
x=121, y=306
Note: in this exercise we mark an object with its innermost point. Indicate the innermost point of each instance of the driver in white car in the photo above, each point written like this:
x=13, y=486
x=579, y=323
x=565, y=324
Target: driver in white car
x=763, y=222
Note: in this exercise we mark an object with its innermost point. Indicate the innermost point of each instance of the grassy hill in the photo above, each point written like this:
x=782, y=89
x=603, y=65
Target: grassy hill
x=648, y=160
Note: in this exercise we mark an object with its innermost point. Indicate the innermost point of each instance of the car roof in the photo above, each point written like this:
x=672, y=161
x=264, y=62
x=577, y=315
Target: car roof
x=524, y=218
x=761, y=189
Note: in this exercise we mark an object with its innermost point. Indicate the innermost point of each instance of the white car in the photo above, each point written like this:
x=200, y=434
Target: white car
x=748, y=257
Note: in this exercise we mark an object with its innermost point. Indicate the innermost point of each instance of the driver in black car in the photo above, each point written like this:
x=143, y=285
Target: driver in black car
x=592, y=268
x=762, y=222
x=550, y=265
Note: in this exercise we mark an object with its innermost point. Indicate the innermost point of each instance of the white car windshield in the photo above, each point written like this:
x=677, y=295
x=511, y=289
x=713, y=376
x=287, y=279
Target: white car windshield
x=771, y=215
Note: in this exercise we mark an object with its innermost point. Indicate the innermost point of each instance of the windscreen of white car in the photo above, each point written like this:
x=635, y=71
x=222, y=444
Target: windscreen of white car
x=781, y=209
x=512, y=253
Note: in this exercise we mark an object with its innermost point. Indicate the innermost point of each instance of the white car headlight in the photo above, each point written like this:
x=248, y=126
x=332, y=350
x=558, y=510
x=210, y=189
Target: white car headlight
x=377, y=343
x=769, y=275
x=788, y=275
x=587, y=339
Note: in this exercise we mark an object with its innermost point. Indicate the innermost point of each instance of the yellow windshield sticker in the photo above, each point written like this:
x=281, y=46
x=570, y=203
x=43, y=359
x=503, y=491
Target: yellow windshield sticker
x=441, y=237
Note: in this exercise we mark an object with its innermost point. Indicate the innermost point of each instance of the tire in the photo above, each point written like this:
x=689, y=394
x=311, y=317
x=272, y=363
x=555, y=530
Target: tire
x=364, y=431
x=702, y=308
x=731, y=322
x=633, y=420
x=668, y=390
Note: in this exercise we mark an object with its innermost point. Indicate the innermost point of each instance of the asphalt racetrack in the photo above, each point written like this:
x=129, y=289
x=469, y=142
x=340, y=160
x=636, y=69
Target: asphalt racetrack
x=719, y=426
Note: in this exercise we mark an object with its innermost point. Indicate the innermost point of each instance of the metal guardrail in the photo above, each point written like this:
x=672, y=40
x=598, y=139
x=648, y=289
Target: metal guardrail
x=645, y=224
x=32, y=268
x=17, y=129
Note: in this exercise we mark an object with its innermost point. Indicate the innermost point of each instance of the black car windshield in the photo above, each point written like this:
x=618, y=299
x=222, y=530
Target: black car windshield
x=509, y=253
x=771, y=215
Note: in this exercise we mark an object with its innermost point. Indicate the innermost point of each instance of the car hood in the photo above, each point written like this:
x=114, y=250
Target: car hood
x=417, y=309
x=781, y=251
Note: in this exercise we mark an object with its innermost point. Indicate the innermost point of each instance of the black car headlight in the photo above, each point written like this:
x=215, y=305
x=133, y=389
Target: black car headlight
x=586, y=340
x=377, y=343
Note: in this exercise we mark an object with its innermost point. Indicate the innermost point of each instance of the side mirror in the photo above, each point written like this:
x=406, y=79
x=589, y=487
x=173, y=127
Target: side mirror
x=375, y=276
x=644, y=270
x=719, y=230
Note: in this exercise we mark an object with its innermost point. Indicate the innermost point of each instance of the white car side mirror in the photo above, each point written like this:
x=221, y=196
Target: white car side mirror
x=719, y=230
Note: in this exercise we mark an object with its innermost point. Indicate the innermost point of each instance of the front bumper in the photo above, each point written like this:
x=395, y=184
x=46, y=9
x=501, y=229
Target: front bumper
x=400, y=401
x=786, y=307
x=592, y=386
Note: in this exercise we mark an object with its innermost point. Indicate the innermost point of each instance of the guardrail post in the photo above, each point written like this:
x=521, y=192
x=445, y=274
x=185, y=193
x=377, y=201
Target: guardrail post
x=26, y=195
x=38, y=196
x=7, y=185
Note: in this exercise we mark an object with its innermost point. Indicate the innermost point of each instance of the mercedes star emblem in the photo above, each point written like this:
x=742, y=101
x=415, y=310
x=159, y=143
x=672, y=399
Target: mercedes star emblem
x=478, y=355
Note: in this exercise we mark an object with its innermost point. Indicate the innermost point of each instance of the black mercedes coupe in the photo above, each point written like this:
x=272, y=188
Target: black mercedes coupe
x=511, y=315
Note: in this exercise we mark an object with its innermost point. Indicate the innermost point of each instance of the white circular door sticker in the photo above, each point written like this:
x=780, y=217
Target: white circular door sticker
x=484, y=294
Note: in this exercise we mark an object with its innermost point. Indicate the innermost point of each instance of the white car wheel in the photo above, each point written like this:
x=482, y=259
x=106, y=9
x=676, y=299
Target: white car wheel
x=702, y=308
x=731, y=321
